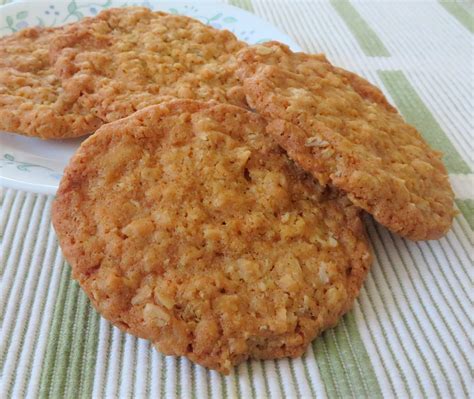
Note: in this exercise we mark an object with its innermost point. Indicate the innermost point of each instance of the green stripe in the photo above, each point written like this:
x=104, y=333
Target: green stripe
x=72, y=344
x=77, y=345
x=83, y=349
x=468, y=6
x=365, y=372
x=342, y=378
x=245, y=4
x=325, y=370
x=163, y=376
x=416, y=113
x=90, y=353
x=343, y=362
x=364, y=34
x=208, y=383
x=52, y=345
x=252, y=382
x=224, y=386
x=62, y=370
x=149, y=362
x=467, y=209
x=177, y=362
x=193, y=381
x=460, y=13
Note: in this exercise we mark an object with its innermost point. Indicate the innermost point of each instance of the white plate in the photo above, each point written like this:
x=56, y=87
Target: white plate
x=37, y=165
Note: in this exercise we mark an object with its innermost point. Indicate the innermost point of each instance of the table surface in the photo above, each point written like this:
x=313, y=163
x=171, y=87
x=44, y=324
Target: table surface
x=409, y=332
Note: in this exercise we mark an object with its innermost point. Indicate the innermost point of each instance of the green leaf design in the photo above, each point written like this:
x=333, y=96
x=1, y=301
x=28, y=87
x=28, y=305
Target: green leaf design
x=173, y=11
x=9, y=21
x=229, y=20
x=217, y=16
x=9, y=159
x=40, y=21
x=22, y=15
x=79, y=15
x=23, y=168
x=72, y=7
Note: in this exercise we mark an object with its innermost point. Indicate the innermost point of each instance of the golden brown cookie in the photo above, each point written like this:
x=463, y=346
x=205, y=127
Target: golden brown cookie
x=128, y=58
x=188, y=226
x=341, y=128
x=32, y=99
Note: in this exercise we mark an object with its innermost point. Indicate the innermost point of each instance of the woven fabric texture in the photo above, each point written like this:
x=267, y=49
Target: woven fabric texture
x=410, y=331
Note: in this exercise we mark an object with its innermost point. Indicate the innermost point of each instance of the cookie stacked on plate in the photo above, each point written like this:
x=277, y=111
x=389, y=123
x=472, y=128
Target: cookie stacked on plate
x=68, y=81
x=217, y=210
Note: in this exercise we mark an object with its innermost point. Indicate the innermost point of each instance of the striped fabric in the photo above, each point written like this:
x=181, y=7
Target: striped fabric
x=410, y=331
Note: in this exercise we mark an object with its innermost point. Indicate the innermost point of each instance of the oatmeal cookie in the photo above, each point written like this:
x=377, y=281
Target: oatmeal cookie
x=32, y=99
x=188, y=226
x=128, y=58
x=341, y=128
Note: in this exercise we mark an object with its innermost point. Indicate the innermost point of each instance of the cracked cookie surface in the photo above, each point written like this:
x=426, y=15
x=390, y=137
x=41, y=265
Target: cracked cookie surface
x=32, y=99
x=341, y=128
x=187, y=225
x=126, y=59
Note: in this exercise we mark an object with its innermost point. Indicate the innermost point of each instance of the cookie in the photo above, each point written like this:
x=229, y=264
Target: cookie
x=32, y=99
x=341, y=128
x=128, y=58
x=188, y=226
